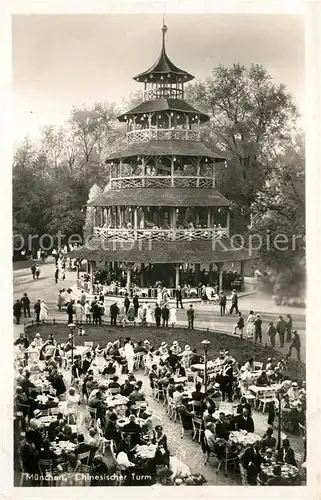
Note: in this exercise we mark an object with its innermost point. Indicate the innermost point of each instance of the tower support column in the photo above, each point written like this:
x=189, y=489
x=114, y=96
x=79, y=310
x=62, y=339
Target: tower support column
x=220, y=266
x=177, y=275
x=129, y=275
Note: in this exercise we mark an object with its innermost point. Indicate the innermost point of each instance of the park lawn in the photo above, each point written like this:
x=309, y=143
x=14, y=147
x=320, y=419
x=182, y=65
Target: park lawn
x=240, y=349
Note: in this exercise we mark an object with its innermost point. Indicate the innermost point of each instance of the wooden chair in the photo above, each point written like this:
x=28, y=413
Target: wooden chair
x=196, y=407
x=172, y=409
x=267, y=398
x=93, y=416
x=84, y=457
x=45, y=467
x=158, y=391
x=198, y=427
x=250, y=398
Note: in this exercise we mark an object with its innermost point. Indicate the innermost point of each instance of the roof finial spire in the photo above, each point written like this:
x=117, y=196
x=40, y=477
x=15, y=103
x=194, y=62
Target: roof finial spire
x=163, y=30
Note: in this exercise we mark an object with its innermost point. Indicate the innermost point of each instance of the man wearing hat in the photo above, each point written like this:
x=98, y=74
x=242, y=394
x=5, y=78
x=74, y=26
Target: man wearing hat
x=257, y=329
x=190, y=317
x=35, y=422
x=294, y=392
x=179, y=297
x=175, y=349
x=157, y=314
x=295, y=344
x=234, y=302
x=184, y=412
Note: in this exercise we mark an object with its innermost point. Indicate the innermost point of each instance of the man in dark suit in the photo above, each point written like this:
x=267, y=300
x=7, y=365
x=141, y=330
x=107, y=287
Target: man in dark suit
x=165, y=315
x=158, y=315
x=234, y=301
x=244, y=421
x=126, y=303
x=114, y=311
x=222, y=427
x=179, y=297
x=25, y=301
x=286, y=454
x=251, y=461
x=70, y=311
x=223, y=301
x=132, y=426
x=198, y=395
x=227, y=381
x=82, y=447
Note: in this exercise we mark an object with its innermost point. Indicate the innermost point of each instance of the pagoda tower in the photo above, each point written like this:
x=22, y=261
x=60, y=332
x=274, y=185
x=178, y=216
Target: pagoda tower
x=162, y=215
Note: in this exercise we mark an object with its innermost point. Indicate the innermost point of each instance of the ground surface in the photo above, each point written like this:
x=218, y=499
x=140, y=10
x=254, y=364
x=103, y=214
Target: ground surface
x=206, y=316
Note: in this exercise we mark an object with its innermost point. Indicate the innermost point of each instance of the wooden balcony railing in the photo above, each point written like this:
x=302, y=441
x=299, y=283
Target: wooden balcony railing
x=161, y=181
x=153, y=134
x=163, y=92
x=160, y=234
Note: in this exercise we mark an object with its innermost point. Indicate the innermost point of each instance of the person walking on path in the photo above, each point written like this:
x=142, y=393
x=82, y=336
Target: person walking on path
x=234, y=300
x=114, y=311
x=281, y=329
x=33, y=271
x=258, y=329
x=43, y=311
x=190, y=317
x=56, y=274
x=36, y=308
x=223, y=301
x=179, y=297
x=295, y=344
x=165, y=316
x=239, y=325
x=250, y=328
x=37, y=271
x=17, y=311
x=271, y=332
x=158, y=315
x=126, y=303
x=83, y=298
x=289, y=323
x=70, y=311
x=136, y=304
x=78, y=312
x=25, y=301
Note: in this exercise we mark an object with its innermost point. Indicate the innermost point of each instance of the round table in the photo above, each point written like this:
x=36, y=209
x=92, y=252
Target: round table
x=242, y=439
x=288, y=471
x=66, y=446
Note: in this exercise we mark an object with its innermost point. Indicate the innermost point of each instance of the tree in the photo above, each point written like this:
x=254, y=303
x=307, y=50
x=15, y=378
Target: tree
x=52, y=143
x=279, y=220
x=251, y=119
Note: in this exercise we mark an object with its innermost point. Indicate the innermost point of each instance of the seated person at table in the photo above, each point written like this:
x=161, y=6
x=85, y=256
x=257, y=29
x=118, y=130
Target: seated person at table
x=148, y=433
x=243, y=404
x=178, y=393
x=222, y=427
x=26, y=384
x=97, y=402
x=196, y=358
x=285, y=402
x=127, y=388
x=87, y=362
x=20, y=399
x=268, y=441
x=139, y=347
x=35, y=423
x=209, y=434
x=99, y=473
x=184, y=412
x=114, y=386
x=153, y=375
x=84, y=389
x=262, y=380
x=93, y=439
x=111, y=431
x=208, y=415
x=198, y=395
x=52, y=426
x=73, y=399
x=82, y=447
x=57, y=382
x=131, y=408
x=244, y=421
x=46, y=452
x=294, y=392
x=251, y=461
x=63, y=431
x=277, y=479
x=109, y=369
x=171, y=387
x=180, y=370
x=286, y=454
x=249, y=365
x=29, y=456
x=132, y=426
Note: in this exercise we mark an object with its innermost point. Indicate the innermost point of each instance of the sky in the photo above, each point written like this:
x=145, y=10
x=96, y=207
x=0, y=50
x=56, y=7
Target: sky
x=61, y=61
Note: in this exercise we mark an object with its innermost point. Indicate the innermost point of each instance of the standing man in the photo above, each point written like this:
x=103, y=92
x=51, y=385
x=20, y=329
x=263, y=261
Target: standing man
x=289, y=323
x=165, y=315
x=136, y=304
x=114, y=311
x=158, y=315
x=190, y=317
x=70, y=311
x=258, y=329
x=56, y=274
x=234, y=300
x=281, y=328
x=239, y=325
x=271, y=333
x=179, y=297
x=126, y=303
x=295, y=344
x=33, y=271
x=17, y=311
x=37, y=310
x=26, y=305
x=223, y=301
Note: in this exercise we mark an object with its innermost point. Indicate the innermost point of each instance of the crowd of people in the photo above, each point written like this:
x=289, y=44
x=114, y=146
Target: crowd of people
x=72, y=413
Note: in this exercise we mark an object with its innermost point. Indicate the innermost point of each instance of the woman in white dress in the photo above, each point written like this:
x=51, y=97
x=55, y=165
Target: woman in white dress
x=130, y=356
x=172, y=316
x=99, y=360
x=250, y=327
x=79, y=310
x=159, y=295
x=149, y=316
x=43, y=312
